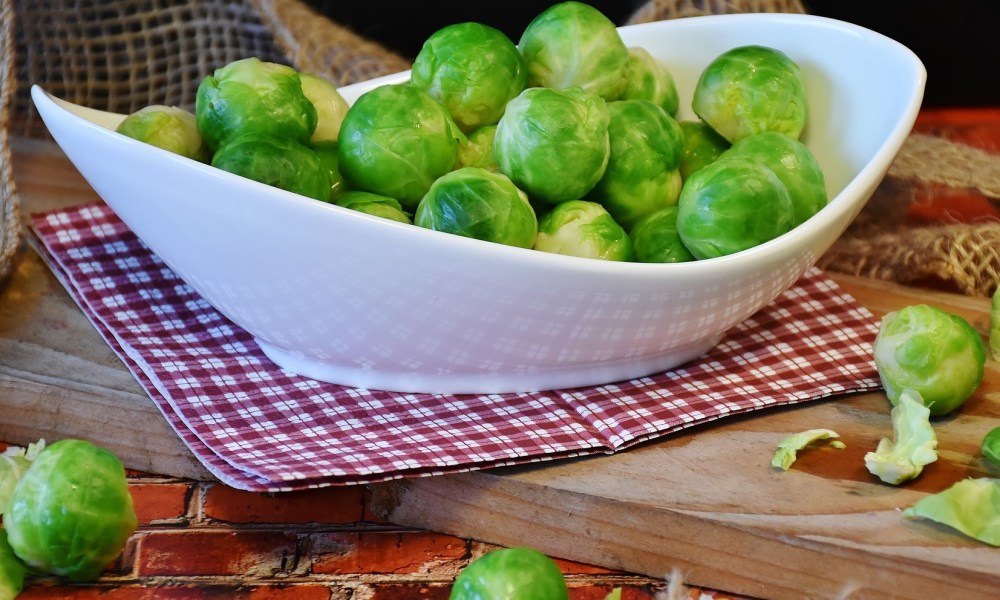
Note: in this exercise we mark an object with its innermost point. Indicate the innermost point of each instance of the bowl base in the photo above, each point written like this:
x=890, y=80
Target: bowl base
x=484, y=382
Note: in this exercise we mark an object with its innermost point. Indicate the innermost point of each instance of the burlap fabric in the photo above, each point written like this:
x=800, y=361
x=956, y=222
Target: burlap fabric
x=125, y=54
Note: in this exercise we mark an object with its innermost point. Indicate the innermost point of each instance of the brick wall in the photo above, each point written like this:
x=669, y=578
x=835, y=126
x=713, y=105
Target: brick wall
x=202, y=540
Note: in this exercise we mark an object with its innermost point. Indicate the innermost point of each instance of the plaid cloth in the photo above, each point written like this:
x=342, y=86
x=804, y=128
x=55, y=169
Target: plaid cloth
x=261, y=428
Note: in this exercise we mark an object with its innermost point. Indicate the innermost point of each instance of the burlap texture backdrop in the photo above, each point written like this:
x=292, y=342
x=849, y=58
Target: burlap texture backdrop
x=126, y=54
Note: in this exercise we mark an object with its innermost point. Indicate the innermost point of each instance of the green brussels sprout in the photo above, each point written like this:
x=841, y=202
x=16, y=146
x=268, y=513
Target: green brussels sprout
x=253, y=96
x=751, y=89
x=374, y=204
x=655, y=238
x=480, y=204
x=396, y=140
x=702, y=145
x=733, y=204
x=649, y=78
x=794, y=165
x=71, y=512
x=476, y=150
x=168, y=127
x=12, y=570
x=572, y=44
x=277, y=161
x=990, y=446
x=329, y=104
x=933, y=352
x=914, y=443
x=970, y=506
x=472, y=69
x=553, y=144
x=642, y=174
x=328, y=153
x=511, y=574
x=585, y=229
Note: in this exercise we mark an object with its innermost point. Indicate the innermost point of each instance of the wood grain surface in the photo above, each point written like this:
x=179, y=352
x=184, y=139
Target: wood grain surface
x=705, y=501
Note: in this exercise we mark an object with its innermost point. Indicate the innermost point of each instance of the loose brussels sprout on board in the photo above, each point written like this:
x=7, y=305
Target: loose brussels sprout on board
x=71, y=512
x=511, y=574
x=277, y=161
x=932, y=352
x=702, y=145
x=584, y=229
x=655, y=238
x=253, y=96
x=168, y=127
x=733, y=204
x=329, y=104
x=572, y=44
x=473, y=70
x=649, y=78
x=751, y=89
x=480, y=204
x=12, y=570
x=554, y=143
x=396, y=140
x=990, y=446
x=374, y=204
x=794, y=165
x=642, y=174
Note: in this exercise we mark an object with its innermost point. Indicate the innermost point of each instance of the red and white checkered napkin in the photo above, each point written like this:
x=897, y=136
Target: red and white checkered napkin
x=259, y=427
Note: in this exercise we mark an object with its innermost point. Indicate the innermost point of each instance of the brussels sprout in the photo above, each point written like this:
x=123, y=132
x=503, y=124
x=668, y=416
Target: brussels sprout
x=476, y=150
x=329, y=104
x=649, y=78
x=933, y=352
x=642, y=174
x=572, y=44
x=913, y=446
x=751, y=89
x=794, y=165
x=788, y=449
x=731, y=205
x=12, y=570
x=168, y=127
x=374, y=204
x=472, y=69
x=990, y=446
x=480, y=204
x=971, y=506
x=995, y=325
x=328, y=153
x=585, y=229
x=510, y=574
x=554, y=143
x=396, y=140
x=655, y=238
x=277, y=161
x=253, y=96
x=71, y=512
x=702, y=145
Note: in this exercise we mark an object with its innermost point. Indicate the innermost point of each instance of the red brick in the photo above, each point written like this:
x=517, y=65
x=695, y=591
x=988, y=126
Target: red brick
x=160, y=502
x=570, y=567
x=408, y=591
x=251, y=553
x=601, y=591
x=386, y=552
x=290, y=592
x=326, y=505
x=125, y=592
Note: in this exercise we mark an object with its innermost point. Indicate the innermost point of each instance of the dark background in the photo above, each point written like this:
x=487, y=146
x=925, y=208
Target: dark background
x=956, y=40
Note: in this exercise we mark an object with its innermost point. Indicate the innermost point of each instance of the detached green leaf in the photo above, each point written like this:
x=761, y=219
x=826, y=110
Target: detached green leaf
x=914, y=444
x=12, y=570
x=972, y=506
x=788, y=449
x=14, y=461
x=616, y=594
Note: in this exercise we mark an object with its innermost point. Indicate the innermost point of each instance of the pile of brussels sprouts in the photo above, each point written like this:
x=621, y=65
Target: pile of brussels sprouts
x=566, y=142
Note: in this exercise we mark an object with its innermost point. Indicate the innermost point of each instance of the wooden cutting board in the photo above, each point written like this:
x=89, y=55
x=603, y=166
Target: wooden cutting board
x=705, y=501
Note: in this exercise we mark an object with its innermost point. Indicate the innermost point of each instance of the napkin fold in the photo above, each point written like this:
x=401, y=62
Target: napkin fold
x=258, y=427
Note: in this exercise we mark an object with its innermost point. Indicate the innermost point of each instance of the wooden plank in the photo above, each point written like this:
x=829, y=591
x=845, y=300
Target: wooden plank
x=708, y=502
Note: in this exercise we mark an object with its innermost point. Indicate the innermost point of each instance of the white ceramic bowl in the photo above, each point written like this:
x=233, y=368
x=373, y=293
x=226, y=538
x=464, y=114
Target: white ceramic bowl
x=344, y=297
